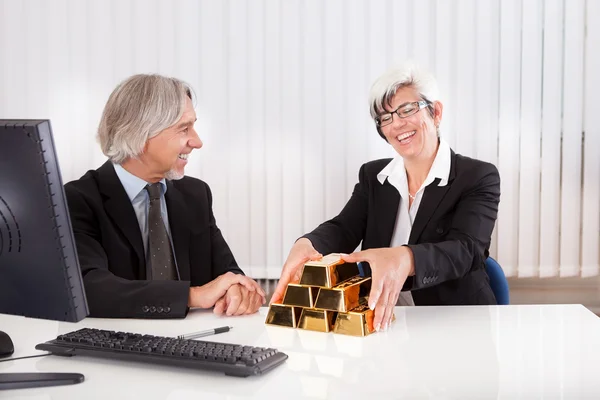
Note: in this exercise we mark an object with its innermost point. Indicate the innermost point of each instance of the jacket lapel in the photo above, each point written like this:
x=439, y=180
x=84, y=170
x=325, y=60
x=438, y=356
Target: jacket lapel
x=119, y=208
x=432, y=196
x=180, y=232
x=387, y=212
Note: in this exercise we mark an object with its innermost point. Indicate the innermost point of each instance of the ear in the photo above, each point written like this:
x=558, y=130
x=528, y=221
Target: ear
x=438, y=109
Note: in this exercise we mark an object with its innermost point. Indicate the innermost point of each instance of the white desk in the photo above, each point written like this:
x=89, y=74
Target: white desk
x=507, y=352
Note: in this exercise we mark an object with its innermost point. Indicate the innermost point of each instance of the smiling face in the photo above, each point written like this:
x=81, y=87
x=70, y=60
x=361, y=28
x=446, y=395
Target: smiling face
x=165, y=155
x=415, y=136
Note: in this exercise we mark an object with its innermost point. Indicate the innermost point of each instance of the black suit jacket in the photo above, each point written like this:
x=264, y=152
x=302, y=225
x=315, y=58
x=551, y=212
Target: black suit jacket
x=450, y=237
x=111, y=251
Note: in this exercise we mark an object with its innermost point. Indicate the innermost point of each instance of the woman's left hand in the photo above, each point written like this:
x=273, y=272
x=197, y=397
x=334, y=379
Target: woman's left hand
x=389, y=269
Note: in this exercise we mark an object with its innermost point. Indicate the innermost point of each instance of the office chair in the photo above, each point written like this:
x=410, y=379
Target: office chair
x=498, y=281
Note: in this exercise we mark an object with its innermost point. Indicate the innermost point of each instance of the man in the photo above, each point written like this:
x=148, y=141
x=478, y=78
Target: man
x=146, y=236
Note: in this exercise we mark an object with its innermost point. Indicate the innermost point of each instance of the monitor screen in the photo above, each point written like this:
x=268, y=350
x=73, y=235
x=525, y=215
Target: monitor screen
x=39, y=270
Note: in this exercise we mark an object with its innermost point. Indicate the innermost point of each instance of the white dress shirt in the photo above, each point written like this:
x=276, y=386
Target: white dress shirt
x=140, y=200
x=395, y=173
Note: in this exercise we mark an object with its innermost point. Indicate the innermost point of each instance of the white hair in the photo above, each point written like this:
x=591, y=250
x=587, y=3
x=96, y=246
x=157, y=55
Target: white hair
x=138, y=109
x=404, y=75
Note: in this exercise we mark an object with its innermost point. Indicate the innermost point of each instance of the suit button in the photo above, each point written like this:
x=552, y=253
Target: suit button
x=425, y=281
x=145, y=309
x=159, y=309
x=167, y=309
x=439, y=231
x=152, y=309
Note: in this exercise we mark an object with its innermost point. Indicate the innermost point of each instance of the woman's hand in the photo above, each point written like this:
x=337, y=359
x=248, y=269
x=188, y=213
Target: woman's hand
x=301, y=252
x=389, y=269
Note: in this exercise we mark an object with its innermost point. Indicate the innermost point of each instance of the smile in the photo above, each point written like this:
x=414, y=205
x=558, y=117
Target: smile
x=405, y=136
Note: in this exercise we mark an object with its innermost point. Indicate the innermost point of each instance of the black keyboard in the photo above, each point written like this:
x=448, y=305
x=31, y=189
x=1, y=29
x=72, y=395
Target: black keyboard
x=232, y=359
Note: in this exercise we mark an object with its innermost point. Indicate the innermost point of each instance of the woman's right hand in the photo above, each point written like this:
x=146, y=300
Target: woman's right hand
x=301, y=252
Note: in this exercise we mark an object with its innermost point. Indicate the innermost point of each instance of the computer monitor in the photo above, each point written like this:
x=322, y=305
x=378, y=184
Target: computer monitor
x=39, y=269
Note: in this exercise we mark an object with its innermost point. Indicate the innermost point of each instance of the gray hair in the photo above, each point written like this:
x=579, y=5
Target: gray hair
x=138, y=109
x=398, y=77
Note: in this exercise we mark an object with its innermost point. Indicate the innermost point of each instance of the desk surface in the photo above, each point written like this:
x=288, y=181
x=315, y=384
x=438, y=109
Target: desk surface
x=507, y=352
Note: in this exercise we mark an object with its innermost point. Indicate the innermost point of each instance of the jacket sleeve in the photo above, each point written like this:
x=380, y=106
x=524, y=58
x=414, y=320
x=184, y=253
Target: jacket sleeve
x=343, y=233
x=108, y=295
x=222, y=258
x=468, y=238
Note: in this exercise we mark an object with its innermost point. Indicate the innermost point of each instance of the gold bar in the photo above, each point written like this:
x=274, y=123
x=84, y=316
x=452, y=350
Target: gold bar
x=328, y=271
x=316, y=320
x=345, y=296
x=300, y=295
x=356, y=322
x=282, y=315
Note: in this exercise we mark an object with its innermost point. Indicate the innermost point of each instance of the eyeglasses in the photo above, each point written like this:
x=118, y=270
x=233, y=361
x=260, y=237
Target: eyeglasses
x=403, y=111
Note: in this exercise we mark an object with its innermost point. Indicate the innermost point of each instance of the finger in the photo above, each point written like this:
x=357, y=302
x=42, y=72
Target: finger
x=387, y=315
x=253, y=285
x=261, y=291
x=376, y=290
x=296, y=271
x=220, y=306
x=379, y=313
x=229, y=279
x=257, y=302
x=246, y=297
x=256, y=286
x=297, y=275
x=259, y=288
x=297, y=267
x=235, y=299
x=356, y=257
x=380, y=309
x=253, y=300
x=292, y=271
x=246, y=282
x=260, y=302
x=263, y=299
x=281, y=286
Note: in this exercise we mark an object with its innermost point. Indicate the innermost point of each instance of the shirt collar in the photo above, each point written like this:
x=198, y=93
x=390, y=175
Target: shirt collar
x=439, y=169
x=132, y=184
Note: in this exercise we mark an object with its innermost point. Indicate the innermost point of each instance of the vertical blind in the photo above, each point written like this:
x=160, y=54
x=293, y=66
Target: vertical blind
x=282, y=106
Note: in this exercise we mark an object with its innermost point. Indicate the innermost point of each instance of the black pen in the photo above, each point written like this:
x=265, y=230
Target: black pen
x=207, y=332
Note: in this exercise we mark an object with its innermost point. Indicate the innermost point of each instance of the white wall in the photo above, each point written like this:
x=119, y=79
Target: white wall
x=282, y=104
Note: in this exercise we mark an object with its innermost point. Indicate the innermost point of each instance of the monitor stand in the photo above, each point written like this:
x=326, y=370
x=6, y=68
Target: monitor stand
x=21, y=380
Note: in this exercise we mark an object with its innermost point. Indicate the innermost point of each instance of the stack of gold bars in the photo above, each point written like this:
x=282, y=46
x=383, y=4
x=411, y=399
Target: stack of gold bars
x=331, y=296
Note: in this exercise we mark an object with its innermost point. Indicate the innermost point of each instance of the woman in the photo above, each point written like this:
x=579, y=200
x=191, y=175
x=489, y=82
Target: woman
x=425, y=217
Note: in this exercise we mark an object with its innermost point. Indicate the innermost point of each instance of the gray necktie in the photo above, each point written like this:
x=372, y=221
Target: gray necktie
x=162, y=264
